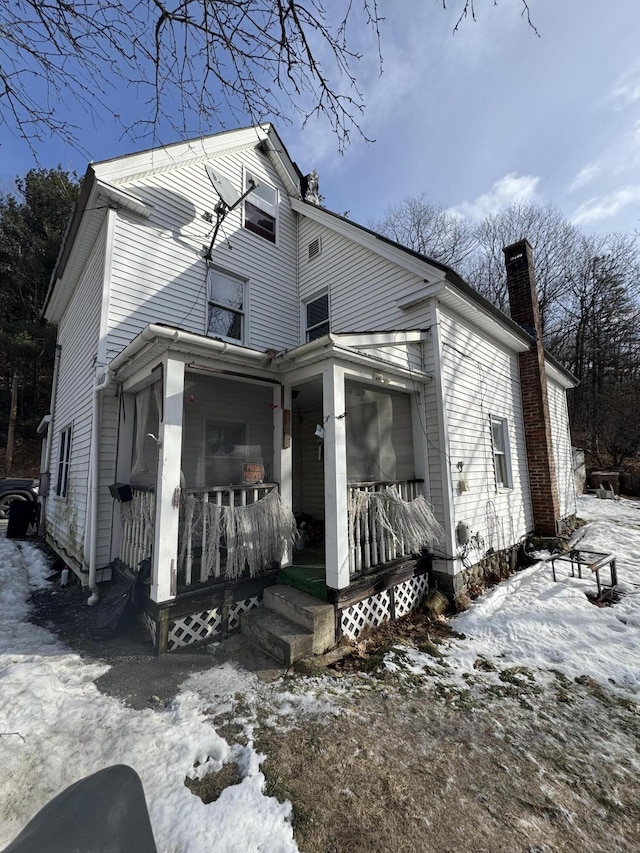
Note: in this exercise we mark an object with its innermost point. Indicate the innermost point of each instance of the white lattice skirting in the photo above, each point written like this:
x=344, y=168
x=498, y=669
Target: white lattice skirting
x=373, y=611
x=409, y=595
x=150, y=625
x=196, y=627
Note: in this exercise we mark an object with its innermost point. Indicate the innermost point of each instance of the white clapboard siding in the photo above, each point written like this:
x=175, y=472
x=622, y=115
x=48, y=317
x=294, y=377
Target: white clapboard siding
x=78, y=334
x=561, y=438
x=159, y=273
x=481, y=378
x=363, y=287
x=308, y=467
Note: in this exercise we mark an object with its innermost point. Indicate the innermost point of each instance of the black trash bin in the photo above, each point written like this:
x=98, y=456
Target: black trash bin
x=21, y=514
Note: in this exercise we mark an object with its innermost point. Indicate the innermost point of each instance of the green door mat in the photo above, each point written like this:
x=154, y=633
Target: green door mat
x=308, y=578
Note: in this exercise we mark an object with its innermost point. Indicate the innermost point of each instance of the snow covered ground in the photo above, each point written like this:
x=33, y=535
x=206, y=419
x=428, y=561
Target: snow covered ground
x=56, y=727
x=531, y=621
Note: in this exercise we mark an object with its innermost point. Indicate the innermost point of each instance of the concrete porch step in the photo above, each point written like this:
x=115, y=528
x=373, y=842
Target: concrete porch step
x=284, y=640
x=303, y=609
x=291, y=624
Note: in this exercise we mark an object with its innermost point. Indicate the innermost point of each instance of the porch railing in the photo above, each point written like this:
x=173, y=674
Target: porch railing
x=138, y=521
x=202, y=554
x=370, y=543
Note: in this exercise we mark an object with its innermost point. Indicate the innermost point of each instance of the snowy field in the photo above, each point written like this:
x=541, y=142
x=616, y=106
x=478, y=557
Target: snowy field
x=56, y=727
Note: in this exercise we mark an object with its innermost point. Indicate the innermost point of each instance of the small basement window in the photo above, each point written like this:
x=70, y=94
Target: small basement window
x=317, y=317
x=261, y=209
x=64, y=459
x=501, y=462
x=226, y=306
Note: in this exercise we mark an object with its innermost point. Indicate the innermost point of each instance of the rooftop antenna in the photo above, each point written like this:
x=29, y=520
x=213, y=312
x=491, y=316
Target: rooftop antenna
x=228, y=200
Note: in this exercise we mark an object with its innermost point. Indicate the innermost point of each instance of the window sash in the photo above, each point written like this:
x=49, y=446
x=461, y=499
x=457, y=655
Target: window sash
x=226, y=308
x=259, y=222
x=499, y=440
x=261, y=209
x=64, y=457
x=317, y=317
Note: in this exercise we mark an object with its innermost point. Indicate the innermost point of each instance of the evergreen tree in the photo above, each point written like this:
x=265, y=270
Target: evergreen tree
x=32, y=222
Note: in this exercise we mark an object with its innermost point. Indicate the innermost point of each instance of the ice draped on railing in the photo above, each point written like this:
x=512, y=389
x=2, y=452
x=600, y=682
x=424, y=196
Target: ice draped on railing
x=254, y=535
x=384, y=526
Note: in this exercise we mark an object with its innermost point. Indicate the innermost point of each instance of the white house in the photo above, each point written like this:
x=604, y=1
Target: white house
x=233, y=356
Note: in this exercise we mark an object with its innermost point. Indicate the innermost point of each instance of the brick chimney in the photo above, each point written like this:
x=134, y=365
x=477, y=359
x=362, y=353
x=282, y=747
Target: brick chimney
x=525, y=310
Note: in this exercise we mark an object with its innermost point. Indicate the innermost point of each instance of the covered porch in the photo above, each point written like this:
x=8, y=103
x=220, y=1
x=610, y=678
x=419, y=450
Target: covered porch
x=233, y=457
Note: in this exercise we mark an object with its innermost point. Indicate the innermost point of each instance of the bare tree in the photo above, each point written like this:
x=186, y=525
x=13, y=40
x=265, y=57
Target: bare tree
x=189, y=62
x=598, y=338
x=552, y=239
x=429, y=229
x=589, y=292
x=255, y=57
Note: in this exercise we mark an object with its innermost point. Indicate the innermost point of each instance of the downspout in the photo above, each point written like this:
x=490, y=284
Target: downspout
x=47, y=464
x=91, y=535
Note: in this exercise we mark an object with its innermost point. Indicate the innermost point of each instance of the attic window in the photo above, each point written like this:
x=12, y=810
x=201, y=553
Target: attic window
x=261, y=209
x=315, y=247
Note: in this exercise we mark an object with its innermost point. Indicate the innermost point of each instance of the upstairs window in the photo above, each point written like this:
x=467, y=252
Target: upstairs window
x=317, y=317
x=226, y=308
x=261, y=209
x=501, y=464
x=64, y=458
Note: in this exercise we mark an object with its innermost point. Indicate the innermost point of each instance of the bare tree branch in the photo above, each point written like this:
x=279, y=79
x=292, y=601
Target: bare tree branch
x=468, y=10
x=186, y=59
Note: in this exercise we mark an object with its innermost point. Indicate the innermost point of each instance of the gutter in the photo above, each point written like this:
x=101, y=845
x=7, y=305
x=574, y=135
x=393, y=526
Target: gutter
x=185, y=342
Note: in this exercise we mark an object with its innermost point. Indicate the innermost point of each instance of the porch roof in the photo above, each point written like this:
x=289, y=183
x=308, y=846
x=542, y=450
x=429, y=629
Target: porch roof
x=354, y=350
x=134, y=365
x=145, y=353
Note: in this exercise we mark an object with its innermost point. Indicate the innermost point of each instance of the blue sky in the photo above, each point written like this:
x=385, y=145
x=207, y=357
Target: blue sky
x=476, y=120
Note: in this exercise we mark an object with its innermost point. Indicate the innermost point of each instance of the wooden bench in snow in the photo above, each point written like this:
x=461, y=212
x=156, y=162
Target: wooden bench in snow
x=591, y=560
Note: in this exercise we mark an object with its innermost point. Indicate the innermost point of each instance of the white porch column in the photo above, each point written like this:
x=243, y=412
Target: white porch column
x=282, y=458
x=165, y=551
x=335, y=478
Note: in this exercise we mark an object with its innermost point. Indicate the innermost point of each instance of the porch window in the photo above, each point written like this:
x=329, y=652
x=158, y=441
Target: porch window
x=261, y=209
x=500, y=441
x=64, y=457
x=225, y=443
x=379, y=434
x=144, y=460
x=317, y=317
x=226, y=314
x=227, y=431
